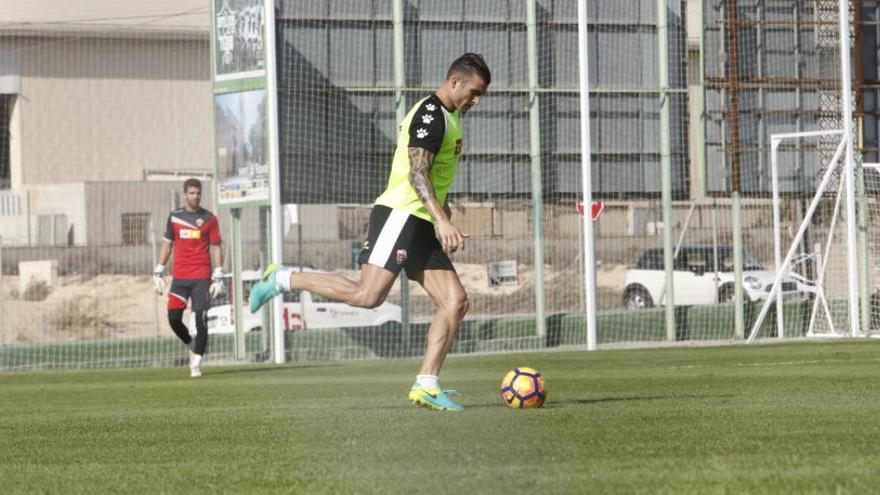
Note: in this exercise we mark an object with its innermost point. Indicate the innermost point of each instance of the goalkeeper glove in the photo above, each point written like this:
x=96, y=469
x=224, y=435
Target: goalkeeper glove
x=158, y=281
x=217, y=286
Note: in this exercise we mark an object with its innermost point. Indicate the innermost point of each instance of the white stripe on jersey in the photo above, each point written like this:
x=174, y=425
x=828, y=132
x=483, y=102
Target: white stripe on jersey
x=183, y=222
x=388, y=237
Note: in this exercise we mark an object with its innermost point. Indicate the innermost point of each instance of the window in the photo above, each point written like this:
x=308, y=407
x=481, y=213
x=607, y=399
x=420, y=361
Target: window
x=652, y=259
x=697, y=261
x=135, y=228
x=6, y=104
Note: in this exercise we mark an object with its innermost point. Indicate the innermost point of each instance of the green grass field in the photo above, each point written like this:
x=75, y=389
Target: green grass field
x=792, y=418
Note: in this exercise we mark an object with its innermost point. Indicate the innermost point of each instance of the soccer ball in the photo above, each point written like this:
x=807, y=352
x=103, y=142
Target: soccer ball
x=523, y=388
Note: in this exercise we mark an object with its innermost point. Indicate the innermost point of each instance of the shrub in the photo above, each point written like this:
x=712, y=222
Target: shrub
x=36, y=290
x=79, y=314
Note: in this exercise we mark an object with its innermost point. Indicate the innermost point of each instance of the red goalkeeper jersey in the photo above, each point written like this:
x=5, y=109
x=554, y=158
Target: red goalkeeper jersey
x=192, y=234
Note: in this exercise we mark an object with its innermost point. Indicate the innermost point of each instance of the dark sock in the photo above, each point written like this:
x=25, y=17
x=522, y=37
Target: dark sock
x=201, y=342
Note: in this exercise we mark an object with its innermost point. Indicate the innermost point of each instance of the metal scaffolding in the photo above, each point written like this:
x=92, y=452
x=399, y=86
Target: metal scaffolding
x=772, y=67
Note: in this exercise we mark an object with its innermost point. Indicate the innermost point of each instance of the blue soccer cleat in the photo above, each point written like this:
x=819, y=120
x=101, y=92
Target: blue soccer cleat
x=265, y=289
x=433, y=398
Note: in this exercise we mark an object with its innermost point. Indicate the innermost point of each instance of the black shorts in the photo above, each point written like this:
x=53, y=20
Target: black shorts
x=398, y=240
x=183, y=289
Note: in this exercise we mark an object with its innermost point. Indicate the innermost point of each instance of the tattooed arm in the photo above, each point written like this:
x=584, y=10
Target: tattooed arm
x=421, y=161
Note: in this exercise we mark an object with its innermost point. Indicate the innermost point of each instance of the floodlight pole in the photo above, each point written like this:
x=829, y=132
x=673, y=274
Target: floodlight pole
x=535, y=168
x=849, y=168
x=862, y=229
x=400, y=114
x=276, y=229
x=666, y=164
x=586, y=180
x=237, y=286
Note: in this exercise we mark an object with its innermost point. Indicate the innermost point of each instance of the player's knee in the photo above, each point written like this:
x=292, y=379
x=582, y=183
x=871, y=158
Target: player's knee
x=367, y=299
x=202, y=319
x=463, y=305
x=175, y=316
x=372, y=301
x=457, y=304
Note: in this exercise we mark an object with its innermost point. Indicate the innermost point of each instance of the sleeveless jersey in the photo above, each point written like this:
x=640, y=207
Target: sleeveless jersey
x=431, y=126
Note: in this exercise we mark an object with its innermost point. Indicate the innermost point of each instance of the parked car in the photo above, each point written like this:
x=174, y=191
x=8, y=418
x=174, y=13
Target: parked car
x=319, y=312
x=696, y=281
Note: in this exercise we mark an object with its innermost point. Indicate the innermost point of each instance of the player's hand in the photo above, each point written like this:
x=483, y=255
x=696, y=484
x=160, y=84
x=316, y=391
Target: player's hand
x=217, y=286
x=450, y=237
x=158, y=280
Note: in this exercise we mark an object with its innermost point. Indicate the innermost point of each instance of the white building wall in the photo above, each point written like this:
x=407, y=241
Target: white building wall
x=104, y=109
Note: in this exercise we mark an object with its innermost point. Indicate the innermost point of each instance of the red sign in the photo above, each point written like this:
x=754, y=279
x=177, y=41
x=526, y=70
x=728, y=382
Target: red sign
x=595, y=209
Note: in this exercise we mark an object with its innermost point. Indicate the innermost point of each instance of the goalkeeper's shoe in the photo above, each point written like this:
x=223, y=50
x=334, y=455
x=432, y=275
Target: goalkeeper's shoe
x=265, y=289
x=195, y=365
x=433, y=398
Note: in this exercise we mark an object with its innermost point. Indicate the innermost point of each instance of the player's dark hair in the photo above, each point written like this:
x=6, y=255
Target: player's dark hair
x=470, y=64
x=192, y=183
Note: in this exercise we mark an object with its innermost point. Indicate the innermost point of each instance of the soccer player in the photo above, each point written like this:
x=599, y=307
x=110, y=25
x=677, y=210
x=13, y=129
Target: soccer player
x=410, y=226
x=195, y=236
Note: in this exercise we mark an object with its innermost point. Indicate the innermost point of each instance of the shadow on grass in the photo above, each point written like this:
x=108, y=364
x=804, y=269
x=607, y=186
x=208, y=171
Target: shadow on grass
x=261, y=369
x=554, y=404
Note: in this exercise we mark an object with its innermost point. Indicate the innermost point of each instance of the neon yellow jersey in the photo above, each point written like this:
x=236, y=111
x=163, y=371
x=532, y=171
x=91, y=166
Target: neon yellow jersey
x=431, y=126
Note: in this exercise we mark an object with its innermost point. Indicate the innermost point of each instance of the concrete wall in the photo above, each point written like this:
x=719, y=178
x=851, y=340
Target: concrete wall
x=107, y=202
x=104, y=109
x=61, y=199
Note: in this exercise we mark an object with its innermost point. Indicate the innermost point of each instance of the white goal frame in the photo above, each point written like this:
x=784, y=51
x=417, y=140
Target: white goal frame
x=782, y=266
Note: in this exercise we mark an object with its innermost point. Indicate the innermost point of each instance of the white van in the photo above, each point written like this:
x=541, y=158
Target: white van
x=319, y=312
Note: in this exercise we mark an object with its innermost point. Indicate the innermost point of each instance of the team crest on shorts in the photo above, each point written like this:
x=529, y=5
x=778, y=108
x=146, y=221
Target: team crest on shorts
x=401, y=256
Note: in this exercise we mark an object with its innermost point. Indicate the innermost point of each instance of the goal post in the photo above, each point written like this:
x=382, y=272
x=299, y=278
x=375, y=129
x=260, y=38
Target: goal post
x=784, y=264
x=846, y=118
x=588, y=246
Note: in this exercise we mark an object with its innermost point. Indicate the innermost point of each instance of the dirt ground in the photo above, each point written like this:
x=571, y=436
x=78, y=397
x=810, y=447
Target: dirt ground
x=125, y=306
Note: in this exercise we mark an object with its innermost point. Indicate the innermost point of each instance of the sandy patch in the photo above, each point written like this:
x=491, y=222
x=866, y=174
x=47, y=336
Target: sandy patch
x=127, y=307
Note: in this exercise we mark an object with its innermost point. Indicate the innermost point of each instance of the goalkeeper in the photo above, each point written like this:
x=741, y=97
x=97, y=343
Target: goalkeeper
x=194, y=235
x=410, y=226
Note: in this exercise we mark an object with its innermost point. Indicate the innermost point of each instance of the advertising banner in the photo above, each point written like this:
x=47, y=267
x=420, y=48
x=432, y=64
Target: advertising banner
x=241, y=128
